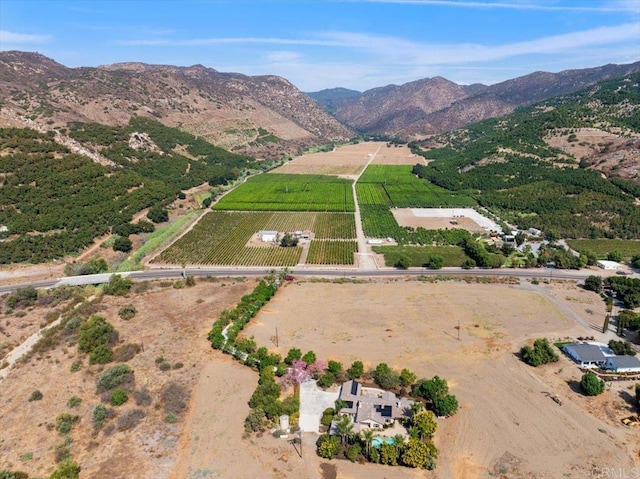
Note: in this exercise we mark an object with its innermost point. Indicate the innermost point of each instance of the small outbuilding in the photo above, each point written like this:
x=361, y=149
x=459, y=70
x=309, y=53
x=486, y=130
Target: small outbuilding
x=623, y=364
x=608, y=265
x=586, y=355
x=268, y=236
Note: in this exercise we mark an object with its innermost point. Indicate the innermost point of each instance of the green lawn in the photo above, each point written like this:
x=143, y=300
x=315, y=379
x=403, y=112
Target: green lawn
x=419, y=255
x=601, y=247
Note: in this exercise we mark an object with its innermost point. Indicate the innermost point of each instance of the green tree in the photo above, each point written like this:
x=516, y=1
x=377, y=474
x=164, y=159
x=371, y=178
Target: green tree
x=407, y=378
x=386, y=377
x=122, y=243
x=435, y=261
x=431, y=388
x=352, y=452
x=288, y=241
x=425, y=424
x=293, y=355
x=328, y=446
x=591, y=385
x=446, y=405
x=403, y=262
x=158, y=215
x=614, y=256
x=593, y=283
x=388, y=454
x=309, y=357
x=344, y=429
x=94, y=333
x=356, y=370
x=335, y=368
x=117, y=285
x=420, y=454
x=541, y=353
x=367, y=435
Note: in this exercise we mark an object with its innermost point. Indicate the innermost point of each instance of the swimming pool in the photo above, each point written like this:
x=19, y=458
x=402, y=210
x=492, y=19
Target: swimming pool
x=381, y=440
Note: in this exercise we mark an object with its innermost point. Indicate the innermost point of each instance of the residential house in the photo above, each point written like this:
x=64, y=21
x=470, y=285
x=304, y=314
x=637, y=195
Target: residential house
x=586, y=355
x=623, y=364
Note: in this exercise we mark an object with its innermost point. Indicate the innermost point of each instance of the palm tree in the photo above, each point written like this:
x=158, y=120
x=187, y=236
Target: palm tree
x=367, y=436
x=398, y=442
x=344, y=428
x=416, y=407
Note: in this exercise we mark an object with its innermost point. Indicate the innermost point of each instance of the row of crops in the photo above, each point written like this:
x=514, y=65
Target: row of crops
x=280, y=192
x=332, y=252
x=397, y=186
x=221, y=237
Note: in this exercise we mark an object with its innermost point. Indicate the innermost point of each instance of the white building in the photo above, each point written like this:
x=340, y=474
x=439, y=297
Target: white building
x=268, y=236
x=623, y=364
x=608, y=265
x=586, y=355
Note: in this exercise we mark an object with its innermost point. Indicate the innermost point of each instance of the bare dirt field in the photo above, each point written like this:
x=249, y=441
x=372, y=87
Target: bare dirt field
x=349, y=160
x=507, y=425
x=405, y=217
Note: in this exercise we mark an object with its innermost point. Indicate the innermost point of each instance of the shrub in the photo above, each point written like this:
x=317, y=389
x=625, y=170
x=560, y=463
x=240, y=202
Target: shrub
x=621, y=348
x=95, y=332
x=126, y=352
x=327, y=416
x=294, y=354
x=101, y=355
x=36, y=396
x=591, y=385
x=127, y=312
x=67, y=470
x=352, y=452
x=171, y=418
x=99, y=416
x=73, y=401
x=254, y=422
x=356, y=370
x=403, y=262
x=65, y=422
x=328, y=446
x=130, y=419
x=119, y=397
x=309, y=358
x=114, y=377
x=178, y=365
x=190, y=281
x=117, y=285
x=542, y=353
x=385, y=377
x=164, y=366
x=174, y=398
x=142, y=397
x=123, y=244
x=326, y=380
x=158, y=215
x=6, y=474
x=76, y=366
x=22, y=298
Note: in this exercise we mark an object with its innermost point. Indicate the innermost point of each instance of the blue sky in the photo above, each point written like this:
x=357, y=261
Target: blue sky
x=356, y=44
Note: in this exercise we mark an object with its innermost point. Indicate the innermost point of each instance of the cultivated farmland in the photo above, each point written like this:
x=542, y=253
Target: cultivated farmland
x=277, y=192
x=332, y=252
x=224, y=238
x=395, y=185
x=421, y=255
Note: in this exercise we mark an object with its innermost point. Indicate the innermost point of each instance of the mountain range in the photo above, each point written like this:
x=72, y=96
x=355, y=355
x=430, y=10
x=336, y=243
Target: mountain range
x=436, y=105
x=261, y=116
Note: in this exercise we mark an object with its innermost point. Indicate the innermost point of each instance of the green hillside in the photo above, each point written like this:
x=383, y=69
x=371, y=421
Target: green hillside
x=54, y=202
x=508, y=167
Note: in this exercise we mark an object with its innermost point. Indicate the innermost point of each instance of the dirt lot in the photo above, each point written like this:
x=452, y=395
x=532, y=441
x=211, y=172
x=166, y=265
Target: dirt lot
x=349, y=160
x=507, y=424
x=404, y=217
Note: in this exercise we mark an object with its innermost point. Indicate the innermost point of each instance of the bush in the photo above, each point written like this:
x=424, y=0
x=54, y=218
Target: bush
x=101, y=355
x=99, y=416
x=309, y=358
x=158, y=215
x=76, y=366
x=65, y=422
x=352, y=452
x=164, y=366
x=542, y=353
x=403, y=262
x=326, y=380
x=126, y=352
x=327, y=416
x=117, y=285
x=114, y=377
x=67, y=470
x=446, y=405
x=74, y=401
x=174, y=398
x=94, y=333
x=123, y=244
x=22, y=298
x=293, y=355
x=591, y=385
x=385, y=377
x=127, y=312
x=621, y=348
x=171, y=418
x=36, y=396
x=190, y=281
x=254, y=422
x=6, y=474
x=356, y=370
x=328, y=446
x=119, y=397
x=142, y=397
x=130, y=419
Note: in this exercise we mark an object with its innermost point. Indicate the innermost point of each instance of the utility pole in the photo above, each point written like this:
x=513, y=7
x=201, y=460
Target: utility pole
x=277, y=338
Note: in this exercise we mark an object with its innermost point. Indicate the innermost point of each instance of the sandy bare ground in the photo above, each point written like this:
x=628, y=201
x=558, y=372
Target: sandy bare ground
x=405, y=217
x=506, y=420
x=350, y=160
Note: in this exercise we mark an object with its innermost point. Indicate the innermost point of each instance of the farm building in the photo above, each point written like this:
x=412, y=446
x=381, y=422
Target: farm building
x=608, y=265
x=623, y=364
x=586, y=355
x=268, y=236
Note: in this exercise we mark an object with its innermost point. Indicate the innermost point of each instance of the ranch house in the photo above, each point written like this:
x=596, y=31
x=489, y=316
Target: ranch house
x=623, y=364
x=371, y=407
x=586, y=355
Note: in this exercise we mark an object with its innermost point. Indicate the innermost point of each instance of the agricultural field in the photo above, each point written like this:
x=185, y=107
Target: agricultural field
x=397, y=186
x=332, y=252
x=224, y=238
x=278, y=192
x=421, y=255
x=628, y=248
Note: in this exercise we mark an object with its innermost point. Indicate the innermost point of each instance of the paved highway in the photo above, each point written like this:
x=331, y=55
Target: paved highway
x=174, y=273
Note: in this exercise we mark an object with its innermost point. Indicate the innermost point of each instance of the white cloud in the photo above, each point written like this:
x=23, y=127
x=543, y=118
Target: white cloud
x=609, y=6
x=13, y=38
x=282, y=56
